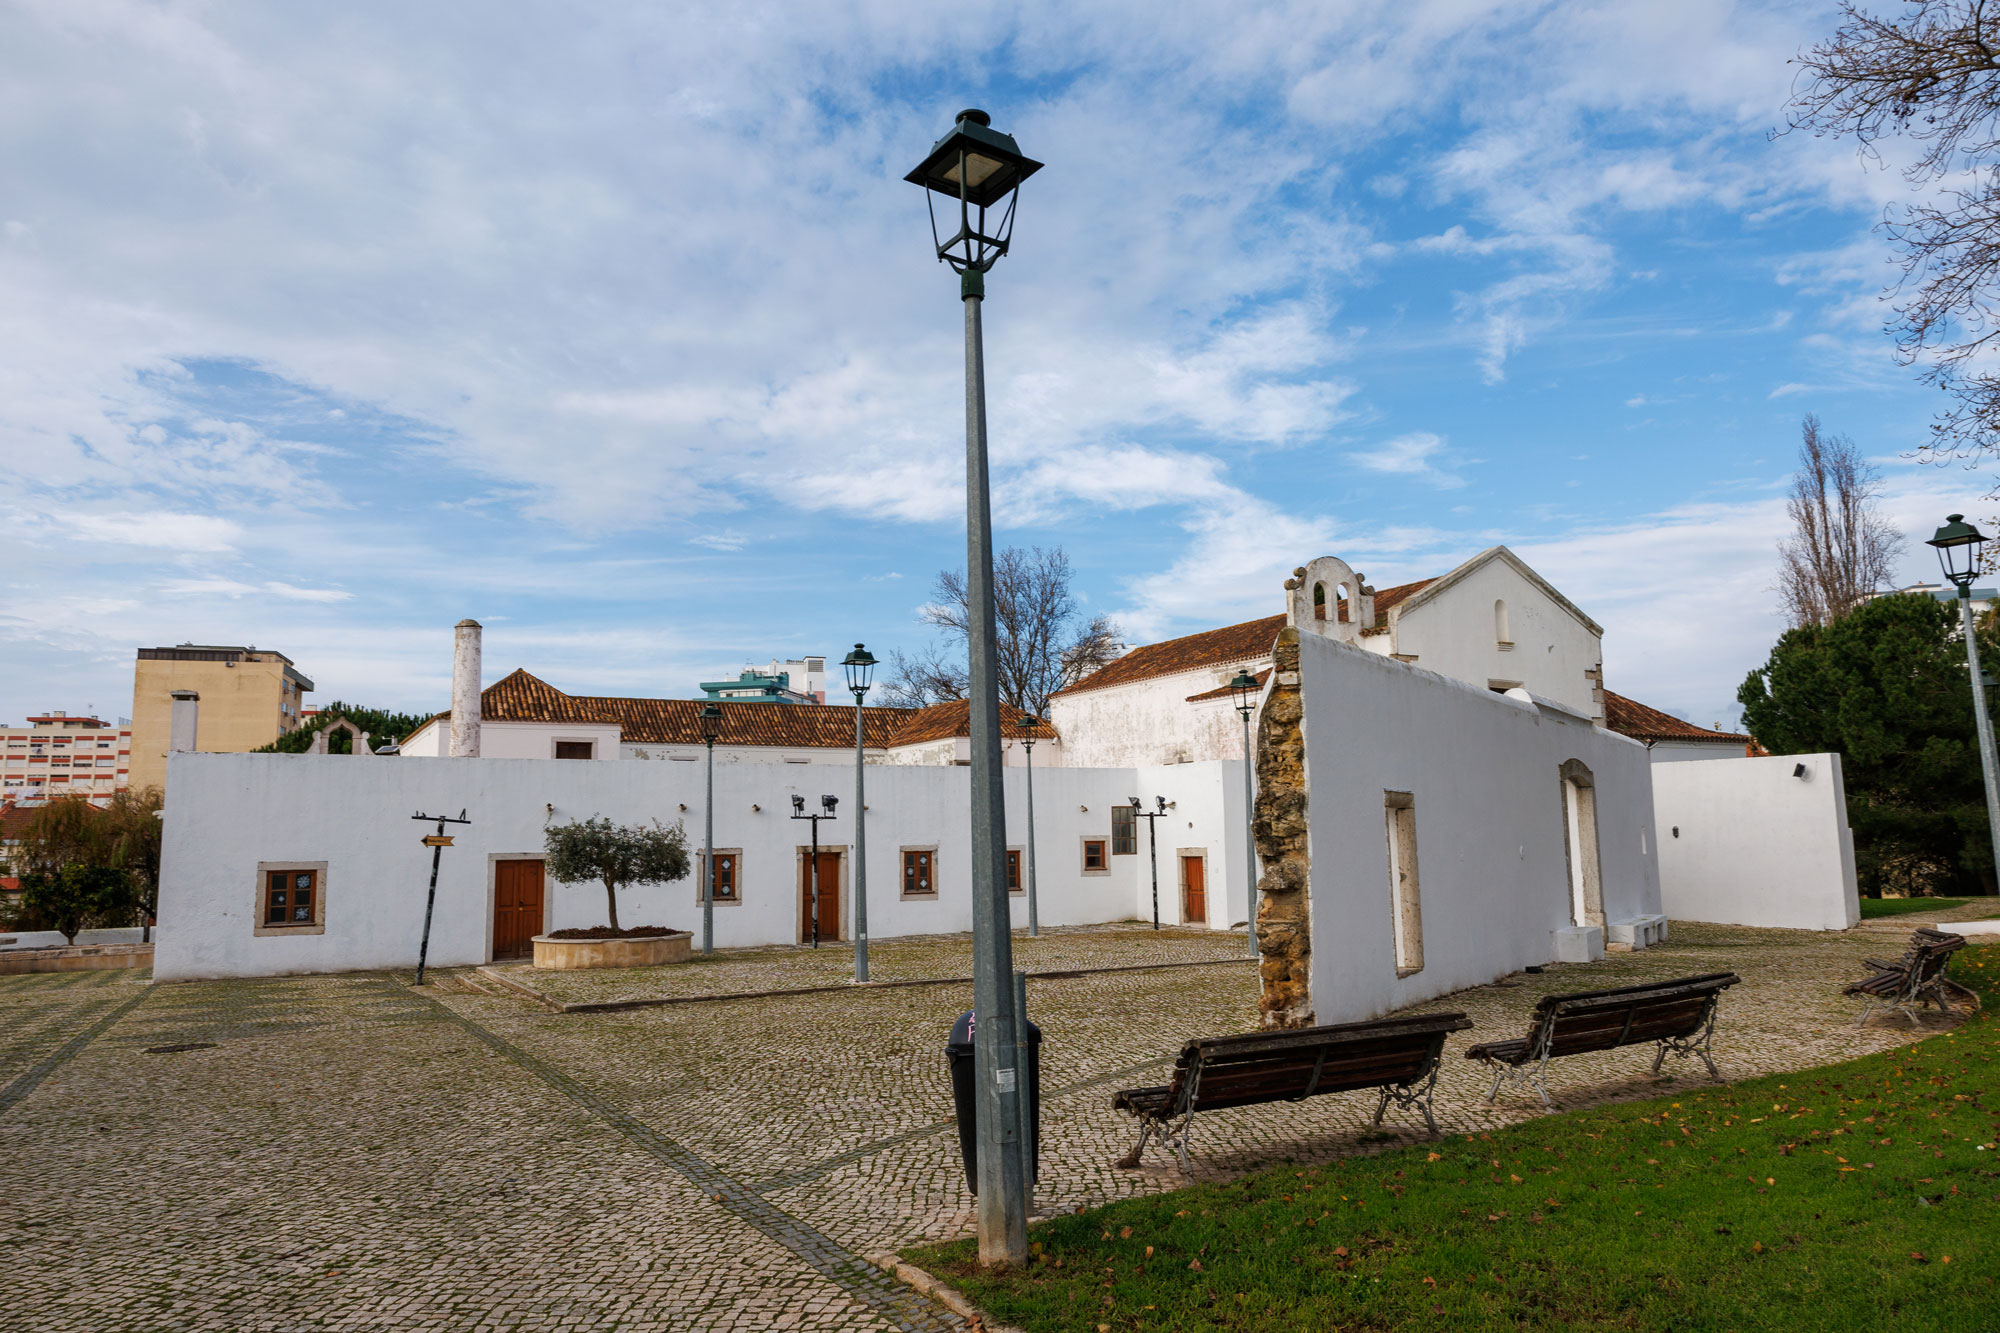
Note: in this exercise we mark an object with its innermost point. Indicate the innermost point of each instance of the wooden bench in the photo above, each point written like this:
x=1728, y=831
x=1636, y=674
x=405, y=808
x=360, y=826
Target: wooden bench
x=1679, y=1015
x=1397, y=1056
x=1917, y=978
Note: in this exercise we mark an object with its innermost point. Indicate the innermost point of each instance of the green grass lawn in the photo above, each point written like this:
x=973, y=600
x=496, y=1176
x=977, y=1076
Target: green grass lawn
x=1871, y=908
x=1851, y=1196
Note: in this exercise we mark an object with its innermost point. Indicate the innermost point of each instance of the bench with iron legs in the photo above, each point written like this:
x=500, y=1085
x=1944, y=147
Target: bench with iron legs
x=1917, y=978
x=1398, y=1057
x=1679, y=1015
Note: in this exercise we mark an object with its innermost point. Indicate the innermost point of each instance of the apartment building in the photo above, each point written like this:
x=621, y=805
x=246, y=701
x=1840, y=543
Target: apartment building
x=57, y=754
x=249, y=698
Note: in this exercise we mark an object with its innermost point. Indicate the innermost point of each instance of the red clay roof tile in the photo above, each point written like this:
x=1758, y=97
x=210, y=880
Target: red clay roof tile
x=1628, y=717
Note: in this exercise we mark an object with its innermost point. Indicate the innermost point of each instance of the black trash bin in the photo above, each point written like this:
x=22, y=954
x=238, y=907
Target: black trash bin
x=958, y=1055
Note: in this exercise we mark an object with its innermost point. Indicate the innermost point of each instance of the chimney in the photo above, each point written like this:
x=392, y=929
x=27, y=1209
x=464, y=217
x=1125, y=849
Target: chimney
x=181, y=725
x=465, y=690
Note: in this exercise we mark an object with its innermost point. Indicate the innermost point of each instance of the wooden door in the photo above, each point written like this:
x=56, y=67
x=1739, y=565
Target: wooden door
x=829, y=897
x=517, y=907
x=1194, y=890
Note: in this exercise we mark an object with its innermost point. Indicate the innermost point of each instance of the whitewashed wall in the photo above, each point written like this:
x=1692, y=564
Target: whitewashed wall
x=1452, y=632
x=1150, y=721
x=227, y=813
x=1680, y=752
x=1743, y=841
x=1483, y=770
x=515, y=740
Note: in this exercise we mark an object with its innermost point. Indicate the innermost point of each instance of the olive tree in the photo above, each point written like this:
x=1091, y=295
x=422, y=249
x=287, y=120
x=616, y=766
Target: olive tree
x=616, y=855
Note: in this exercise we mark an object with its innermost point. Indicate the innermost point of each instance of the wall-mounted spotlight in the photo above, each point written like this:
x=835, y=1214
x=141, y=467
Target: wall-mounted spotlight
x=1801, y=772
x=798, y=805
x=827, y=803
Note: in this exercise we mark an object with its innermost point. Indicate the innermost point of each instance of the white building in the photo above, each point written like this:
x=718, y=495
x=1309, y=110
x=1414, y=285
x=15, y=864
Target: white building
x=1492, y=622
x=1668, y=739
x=523, y=717
x=57, y=754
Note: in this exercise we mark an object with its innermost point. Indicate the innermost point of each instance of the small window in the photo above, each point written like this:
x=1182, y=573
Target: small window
x=576, y=749
x=1503, y=632
x=1401, y=811
x=1124, y=831
x=919, y=872
x=1014, y=871
x=1093, y=857
x=728, y=876
x=291, y=898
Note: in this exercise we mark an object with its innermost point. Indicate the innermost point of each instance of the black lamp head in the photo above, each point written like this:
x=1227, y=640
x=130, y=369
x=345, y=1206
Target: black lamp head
x=798, y=805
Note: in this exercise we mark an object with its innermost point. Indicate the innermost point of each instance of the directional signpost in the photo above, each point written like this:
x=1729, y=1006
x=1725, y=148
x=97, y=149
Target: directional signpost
x=437, y=842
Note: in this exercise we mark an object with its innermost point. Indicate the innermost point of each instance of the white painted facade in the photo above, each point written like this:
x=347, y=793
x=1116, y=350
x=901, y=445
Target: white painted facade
x=516, y=740
x=1494, y=622
x=1754, y=842
x=1680, y=752
x=228, y=814
x=1484, y=776
x=1151, y=721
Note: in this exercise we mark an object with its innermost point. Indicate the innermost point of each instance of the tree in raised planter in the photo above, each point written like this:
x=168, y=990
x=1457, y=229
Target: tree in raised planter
x=616, y=855
x=79, y=897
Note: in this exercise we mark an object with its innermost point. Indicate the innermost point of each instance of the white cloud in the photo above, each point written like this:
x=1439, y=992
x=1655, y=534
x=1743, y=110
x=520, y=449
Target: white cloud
x=1413, y=455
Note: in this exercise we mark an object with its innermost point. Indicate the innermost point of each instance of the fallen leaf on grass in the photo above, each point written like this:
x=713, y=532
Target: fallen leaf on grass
x=1125, y=1233
x=1757, y=1247
x=1149, y=1251
x=1194, y=1265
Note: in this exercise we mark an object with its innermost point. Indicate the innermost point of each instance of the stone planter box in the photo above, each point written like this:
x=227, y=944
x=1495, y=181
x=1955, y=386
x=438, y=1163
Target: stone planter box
x=571, y=955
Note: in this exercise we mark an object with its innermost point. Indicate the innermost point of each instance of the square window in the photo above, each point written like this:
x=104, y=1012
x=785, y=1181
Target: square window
x=291, y=898
x=1124, y=831
x=1093, y=857
x=919, y=872
x=576, y=749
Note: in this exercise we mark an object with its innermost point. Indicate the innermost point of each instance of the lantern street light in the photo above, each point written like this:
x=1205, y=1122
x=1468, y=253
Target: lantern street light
x=1958, y=544
x=1152, y=846
x=826, y=804
x=711, y=727
x=981, y=169
x=860, y=666
x=1243, y=689
x=1028, y=723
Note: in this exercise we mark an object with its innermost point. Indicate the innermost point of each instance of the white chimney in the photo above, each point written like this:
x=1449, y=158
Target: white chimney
x=181, y=724
x=465, y=691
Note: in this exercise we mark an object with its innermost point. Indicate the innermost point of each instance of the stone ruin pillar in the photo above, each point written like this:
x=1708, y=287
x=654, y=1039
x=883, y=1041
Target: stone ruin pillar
x=1284, y=931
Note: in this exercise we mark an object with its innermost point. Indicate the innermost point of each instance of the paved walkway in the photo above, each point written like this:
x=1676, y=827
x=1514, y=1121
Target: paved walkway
x=346, y=1152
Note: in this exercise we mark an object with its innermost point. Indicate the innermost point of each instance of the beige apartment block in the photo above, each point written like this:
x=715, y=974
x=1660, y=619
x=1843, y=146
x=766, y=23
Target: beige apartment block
x=249, y=698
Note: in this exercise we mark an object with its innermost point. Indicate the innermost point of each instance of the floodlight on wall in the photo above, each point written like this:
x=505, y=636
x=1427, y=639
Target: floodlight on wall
x=827, y=803
x=798, y=805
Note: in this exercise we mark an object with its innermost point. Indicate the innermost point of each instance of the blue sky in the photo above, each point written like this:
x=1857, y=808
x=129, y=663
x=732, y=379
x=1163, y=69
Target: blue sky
x=621, y=333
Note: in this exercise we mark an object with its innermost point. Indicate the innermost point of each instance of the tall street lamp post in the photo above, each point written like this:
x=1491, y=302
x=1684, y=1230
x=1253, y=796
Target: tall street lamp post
x=1152, y=846
x=1243, y=689
x=860, y=666
x=1958, y=544
x=980, y=170
x=1028, y=725
x=711, y=727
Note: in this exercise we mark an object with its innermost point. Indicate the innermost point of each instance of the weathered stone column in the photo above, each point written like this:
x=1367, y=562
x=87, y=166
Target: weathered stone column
x=1284, y=935
x=465, y=668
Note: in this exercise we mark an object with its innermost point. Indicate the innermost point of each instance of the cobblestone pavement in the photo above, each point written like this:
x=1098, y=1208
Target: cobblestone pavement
x=906, y=958
x=351, y=1153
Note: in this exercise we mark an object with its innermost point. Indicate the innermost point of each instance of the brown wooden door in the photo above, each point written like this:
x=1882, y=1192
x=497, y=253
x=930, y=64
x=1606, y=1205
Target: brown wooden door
x=517, y=907
x=1194, y=890
x=829, y=897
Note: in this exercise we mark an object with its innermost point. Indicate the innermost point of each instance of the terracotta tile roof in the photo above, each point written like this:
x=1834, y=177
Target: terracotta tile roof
x=521, y=697
x=1232, y=644
x=1628, y=717
x=941, y=721
x=814, y=726
x=1224, y=692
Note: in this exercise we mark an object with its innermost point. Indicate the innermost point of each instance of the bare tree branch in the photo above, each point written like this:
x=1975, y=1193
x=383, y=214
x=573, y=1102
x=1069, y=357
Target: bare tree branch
x=1044, y=642
x=1841, y=549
